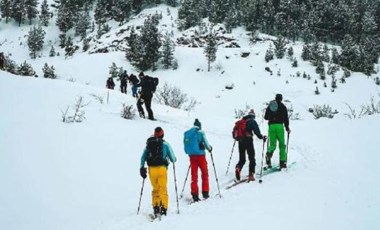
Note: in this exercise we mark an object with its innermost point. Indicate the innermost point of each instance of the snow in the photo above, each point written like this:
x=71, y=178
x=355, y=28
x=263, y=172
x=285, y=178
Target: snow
x=55, y=175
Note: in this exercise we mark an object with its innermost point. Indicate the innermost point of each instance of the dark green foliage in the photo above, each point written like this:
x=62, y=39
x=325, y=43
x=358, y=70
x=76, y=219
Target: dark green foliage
x=25, y=69
x=167, y=52
x=49, y=72
x=269, y=55
x=6, y=9
x=35, y=40
x=31, y=9
x=44, y=14
x=280, y=47
x=211, y=48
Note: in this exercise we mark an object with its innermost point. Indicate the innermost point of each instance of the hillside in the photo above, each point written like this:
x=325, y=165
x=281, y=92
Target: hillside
x=55, y=175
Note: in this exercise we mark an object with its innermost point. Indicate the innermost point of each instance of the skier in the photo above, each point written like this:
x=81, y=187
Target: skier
x=134, y=81
x=110, y=83
x=148, y=87
x=277, y=116
x=123, y=82
x=246, y=145
x=195, y=143
x=157, y=154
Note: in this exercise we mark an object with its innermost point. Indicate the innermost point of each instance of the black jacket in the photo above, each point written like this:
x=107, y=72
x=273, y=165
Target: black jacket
x=278, y=117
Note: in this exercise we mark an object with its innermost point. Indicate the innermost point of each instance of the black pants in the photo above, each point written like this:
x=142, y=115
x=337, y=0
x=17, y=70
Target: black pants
x=246, y=145
x=123, y=89
x=147, y=98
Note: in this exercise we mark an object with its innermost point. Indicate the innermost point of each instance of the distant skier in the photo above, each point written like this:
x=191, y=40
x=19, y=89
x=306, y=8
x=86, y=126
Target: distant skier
x=246, y=127
x=195, y=143
x=110, y=83
x=123, y=82
x=134, y=81
x=277, y=116
x=2, y=61
x=157, y=154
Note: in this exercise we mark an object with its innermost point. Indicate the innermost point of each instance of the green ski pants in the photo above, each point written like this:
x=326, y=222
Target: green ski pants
x=276, y=132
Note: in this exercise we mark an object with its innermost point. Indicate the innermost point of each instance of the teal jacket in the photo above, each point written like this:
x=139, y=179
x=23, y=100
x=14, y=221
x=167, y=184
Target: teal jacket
x=167, y=153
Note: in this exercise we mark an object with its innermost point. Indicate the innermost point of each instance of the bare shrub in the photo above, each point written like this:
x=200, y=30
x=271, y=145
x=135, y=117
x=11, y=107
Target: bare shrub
x=293, y=115
x=239, y=113
x=323, y=111
x=99, y=98
x=173, y=96
x=79, y=113
x=128, y=112
x=368, y=109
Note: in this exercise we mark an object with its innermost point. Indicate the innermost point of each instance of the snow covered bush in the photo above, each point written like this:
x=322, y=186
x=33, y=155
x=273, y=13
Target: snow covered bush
x=323, y=111
x=25, y=69
x=239, y=113
x=128, y=112
x=173, y=96
x=78, y=114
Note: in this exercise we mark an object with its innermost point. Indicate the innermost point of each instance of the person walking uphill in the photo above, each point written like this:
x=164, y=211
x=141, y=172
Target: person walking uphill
x=249, y=126
x=157, y=154
x=148, y=87
x=277, y=116
x=195, y=143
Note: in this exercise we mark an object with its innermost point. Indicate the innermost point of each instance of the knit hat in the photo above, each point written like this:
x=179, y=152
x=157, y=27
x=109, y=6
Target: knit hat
x=252, y=112
x=159, y=132
x=198, y=123
x=141, y=74
x=278, y=97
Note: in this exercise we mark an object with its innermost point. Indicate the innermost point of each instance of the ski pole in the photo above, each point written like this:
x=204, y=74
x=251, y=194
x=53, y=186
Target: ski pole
x=229, y=162
x=184, y=183
x=262, y=163
x=142, y=189
x=287, y=148
x=176, y=191
x=216, y=176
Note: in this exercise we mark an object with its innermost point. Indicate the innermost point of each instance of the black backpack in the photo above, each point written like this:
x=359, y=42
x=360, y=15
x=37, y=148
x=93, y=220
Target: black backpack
x=154, y=146
x=151, y=83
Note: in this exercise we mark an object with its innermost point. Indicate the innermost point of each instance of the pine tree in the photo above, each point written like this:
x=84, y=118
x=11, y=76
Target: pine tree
x=269, y=55
x=172, y=3
x=31, y=9
x=280, y=47
x=49, y=72
x=52, y=52
x=83, y=24
x=69, y=48
x=6, y=9
x=45, y=14
x=150, y=39
x=210, y=49
x=306, y=53
x=18, y=11
x=187, y=15
x=167, y=52
x=62, y=40
x=86, y=44
x=35, y=40
x=122, y=10
x=135, y=50
x=25, y=69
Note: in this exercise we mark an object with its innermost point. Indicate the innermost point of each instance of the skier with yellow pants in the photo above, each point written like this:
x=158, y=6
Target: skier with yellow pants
x=277, y=116
x=157, y=154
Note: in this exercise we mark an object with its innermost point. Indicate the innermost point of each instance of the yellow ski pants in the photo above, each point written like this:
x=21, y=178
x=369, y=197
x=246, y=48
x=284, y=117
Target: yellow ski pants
x=159, y=179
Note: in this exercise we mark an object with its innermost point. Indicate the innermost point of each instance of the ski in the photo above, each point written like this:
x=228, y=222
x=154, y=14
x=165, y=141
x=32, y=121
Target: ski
x=237, y=182
x=152, y=217
x=276, y=168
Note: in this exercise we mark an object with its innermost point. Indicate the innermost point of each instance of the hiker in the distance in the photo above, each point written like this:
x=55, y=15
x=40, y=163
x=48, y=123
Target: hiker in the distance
x=123, y=82
x=157, y=154
x=134, y=81
x=246, y=128
x=195, y=143
x=110, y=83
x=277, y=116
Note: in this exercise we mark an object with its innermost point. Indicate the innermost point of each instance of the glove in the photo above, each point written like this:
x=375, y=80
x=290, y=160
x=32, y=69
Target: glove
x=210, y=149
x=265, y=138
x=143, y=172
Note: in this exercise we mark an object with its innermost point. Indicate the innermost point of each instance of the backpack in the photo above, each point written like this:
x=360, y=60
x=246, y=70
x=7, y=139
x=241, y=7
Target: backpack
x=273, y=109
x=154, y=146
x=240, y=128
x=151, y=83
x=191, y=143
